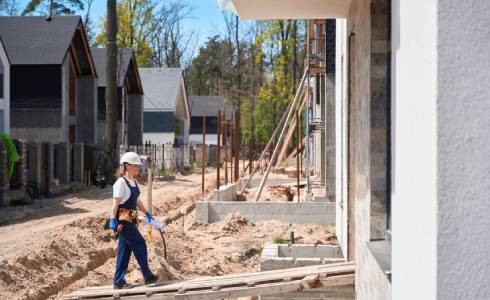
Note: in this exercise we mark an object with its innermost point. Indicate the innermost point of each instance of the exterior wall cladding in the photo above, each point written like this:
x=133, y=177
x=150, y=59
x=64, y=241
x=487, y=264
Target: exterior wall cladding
x=368, y=24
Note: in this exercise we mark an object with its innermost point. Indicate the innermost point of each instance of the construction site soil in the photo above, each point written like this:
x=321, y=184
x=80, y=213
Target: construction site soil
x=58, y=245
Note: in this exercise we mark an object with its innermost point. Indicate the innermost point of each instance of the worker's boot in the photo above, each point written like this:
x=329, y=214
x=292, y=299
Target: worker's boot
x=121, y=286
x=152, y=279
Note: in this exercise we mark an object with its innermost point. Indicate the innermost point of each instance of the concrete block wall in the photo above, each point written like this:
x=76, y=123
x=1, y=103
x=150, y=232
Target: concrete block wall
x=86, y=110
x=4, y=183
x=296, y=213
x=226, y=192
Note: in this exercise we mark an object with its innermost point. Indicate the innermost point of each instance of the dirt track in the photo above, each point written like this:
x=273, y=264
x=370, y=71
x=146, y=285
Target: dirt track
x=57, y=245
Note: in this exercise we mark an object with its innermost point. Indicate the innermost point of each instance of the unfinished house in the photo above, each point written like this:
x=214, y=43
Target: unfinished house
x=4, y=90
x=166, y=116
x=206, y=107
x=410, y=119
x=52, y=79
x=129, y=97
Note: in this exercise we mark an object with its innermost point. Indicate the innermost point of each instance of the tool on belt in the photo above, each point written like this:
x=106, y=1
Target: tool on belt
x=128, y=215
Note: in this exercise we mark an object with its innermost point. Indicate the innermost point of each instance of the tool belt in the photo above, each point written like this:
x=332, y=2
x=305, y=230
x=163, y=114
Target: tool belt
x=128, y=215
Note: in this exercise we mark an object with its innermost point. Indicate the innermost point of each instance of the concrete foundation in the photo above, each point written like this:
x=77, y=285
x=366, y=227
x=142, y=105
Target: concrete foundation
x=255, y=182
x=278, y=256
x=297, y=213
x=226, y=192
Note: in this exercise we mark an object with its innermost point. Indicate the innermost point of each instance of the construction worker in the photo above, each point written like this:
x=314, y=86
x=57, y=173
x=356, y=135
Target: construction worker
x=124, y=220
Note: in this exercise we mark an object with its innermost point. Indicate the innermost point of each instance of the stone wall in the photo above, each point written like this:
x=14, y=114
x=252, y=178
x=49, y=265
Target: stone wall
x=368, y=30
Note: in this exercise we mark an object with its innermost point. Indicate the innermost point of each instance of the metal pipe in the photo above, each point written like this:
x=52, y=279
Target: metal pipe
x=203, y=162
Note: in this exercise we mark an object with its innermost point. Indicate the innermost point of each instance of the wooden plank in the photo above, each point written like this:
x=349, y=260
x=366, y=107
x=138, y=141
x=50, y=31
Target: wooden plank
x=234, y=279
x=208, y=282
x=303, y=275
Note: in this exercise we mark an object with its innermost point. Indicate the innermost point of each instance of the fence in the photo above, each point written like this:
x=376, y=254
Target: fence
x=45, y=169
x=164, y=157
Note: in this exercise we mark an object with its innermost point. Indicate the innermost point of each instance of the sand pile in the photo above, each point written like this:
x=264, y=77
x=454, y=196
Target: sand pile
x=234, y=222
x=63, y=258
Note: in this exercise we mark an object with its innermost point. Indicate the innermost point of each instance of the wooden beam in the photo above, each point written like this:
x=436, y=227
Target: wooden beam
x=87, y=50
x=74, y=58
x=291, y=130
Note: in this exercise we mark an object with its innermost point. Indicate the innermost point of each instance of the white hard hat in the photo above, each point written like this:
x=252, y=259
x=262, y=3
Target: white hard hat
x=130, y=158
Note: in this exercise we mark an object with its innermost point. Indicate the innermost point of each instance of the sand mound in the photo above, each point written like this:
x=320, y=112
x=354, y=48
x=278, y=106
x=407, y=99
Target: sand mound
x=234, y=222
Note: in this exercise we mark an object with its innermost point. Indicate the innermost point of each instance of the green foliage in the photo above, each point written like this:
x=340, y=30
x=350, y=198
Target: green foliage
x=60, y=7
x=280, y=240
x=135, y=21
x=12, y=154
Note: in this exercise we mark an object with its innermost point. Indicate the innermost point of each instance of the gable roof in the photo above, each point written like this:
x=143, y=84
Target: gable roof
x=161, y=86
x=31, y=40
x=208, y=106
x=100, y=58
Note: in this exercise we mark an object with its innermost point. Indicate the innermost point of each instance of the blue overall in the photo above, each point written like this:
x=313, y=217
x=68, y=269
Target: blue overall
x=130, y=240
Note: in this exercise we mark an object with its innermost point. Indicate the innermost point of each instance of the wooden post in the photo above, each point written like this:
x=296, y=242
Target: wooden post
x=150, y=187
x=237, y=145
x=203, y=162
x=298, y=145
x=225, y=147
x=232, y=158
x=218, y=149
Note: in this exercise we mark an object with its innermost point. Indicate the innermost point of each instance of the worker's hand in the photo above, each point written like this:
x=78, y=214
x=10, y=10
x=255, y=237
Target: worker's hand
x=149, y=216
x=113, y=224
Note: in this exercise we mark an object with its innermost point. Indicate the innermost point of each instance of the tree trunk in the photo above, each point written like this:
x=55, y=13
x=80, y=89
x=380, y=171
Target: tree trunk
x=110, y=146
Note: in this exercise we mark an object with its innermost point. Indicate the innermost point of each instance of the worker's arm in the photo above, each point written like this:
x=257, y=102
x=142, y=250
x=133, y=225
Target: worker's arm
x=115, y=204
x=141, y=206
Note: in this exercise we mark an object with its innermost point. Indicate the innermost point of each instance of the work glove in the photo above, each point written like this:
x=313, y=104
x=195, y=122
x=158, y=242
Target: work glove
x=113, y=224
x=149, y=216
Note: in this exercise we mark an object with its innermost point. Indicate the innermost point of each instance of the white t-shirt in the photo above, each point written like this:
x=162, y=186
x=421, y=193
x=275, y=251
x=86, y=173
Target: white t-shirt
x=121, y=190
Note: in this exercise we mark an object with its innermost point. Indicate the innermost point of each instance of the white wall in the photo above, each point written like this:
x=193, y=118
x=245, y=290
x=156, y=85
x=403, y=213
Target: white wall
x=414, y=149
x=463, y=157
x=159, y=137
x=5, y=102
x=211, y=139
x=341, y=133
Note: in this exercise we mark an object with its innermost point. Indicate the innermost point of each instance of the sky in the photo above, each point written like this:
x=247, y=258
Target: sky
x=207, y=19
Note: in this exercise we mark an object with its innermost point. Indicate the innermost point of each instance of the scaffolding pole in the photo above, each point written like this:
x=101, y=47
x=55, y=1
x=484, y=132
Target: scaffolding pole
x=276, y=130
x=288, y=118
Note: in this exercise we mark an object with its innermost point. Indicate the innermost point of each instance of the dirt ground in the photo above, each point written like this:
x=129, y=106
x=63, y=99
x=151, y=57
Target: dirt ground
x=58, y=245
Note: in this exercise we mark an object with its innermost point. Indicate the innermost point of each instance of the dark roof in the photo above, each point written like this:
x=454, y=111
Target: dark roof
x=100, y=58
x=208, y=106
x=30, y=40
x=158, y=121
x=161, y=86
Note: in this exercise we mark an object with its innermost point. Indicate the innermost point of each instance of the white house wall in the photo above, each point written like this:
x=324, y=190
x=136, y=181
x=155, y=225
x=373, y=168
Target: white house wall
x=5, y=101
x=211, y=139
x=414, y=152
x=159, y=137
x=341, y=133
x=463, y=148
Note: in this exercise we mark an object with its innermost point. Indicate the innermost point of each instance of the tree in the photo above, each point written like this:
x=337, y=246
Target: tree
x=8, y=7
x=135, y=26
x=172, y=47
x=59, y=7
x=110, y=141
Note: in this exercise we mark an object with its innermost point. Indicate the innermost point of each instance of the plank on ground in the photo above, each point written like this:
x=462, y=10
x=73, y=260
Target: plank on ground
x=235, y=279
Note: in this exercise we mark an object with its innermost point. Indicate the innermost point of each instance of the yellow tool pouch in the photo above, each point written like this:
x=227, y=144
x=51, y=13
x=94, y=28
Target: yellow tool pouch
x=128, y=215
